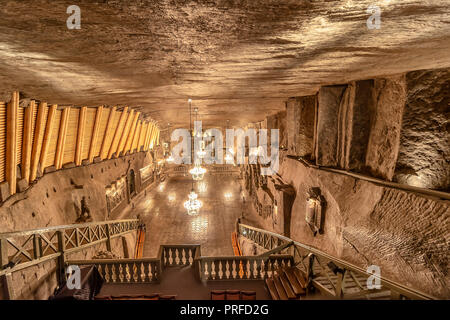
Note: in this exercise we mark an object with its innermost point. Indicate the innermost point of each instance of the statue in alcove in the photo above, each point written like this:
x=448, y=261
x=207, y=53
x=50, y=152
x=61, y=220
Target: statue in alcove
x=85, y=213
x=315, y=209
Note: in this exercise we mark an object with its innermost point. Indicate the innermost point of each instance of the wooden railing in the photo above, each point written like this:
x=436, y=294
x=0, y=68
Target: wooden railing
x=332, y=276
x=23, y=249
x=125, y=270
x=241, y=267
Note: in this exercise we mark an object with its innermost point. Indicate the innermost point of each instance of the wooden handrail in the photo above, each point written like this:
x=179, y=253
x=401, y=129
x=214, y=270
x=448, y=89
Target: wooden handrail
x=4, y=235
x=37, y=246
x=406, y=291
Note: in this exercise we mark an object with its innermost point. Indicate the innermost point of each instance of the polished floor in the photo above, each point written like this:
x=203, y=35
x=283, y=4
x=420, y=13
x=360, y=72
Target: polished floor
x=167, y=221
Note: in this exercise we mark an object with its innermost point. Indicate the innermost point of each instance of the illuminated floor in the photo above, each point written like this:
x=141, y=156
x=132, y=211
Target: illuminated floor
x=168, y=223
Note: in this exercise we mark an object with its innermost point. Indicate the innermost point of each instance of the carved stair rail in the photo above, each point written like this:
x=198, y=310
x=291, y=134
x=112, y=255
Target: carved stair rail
x=332, y=276
x=22, y=249
x=241, y=267
x=147, y=270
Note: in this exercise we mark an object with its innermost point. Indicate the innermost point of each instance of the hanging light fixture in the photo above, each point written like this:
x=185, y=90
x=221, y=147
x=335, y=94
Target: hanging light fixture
x=197, y=172
x=192, y=205
x=170, y=159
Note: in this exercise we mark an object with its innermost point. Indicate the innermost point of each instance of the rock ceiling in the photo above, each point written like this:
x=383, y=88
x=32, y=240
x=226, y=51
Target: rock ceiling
x=237, y=59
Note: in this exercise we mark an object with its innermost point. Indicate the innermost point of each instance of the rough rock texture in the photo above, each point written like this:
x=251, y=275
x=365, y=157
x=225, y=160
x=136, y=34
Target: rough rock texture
x=404, y=233
x=424, y=158
x=384, y=140
x=300, y=113
x=52, y=200
x=238, y=60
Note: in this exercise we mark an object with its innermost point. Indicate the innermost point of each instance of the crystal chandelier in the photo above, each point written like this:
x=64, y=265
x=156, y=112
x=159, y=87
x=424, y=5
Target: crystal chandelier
x=170, y=159
x=201, y=153
x=192, y=205
x=197, y=172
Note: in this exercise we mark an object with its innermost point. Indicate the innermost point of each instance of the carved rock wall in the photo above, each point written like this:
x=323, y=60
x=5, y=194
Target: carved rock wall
x=424, y=157
x=384, y=140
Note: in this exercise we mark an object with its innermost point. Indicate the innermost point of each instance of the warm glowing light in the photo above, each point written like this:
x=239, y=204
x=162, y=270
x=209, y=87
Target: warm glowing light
x=202, y=187
x=171, y=197
x=201, y=154
x=160, y=162
x=192, y=205
x=228, y=195
x=161, y=187
x=170, y=159
x=229, y=158
x=197, y=172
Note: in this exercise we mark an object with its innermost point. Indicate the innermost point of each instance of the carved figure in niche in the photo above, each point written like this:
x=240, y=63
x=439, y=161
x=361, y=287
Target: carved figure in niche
x=85, y=213
x=315, y=209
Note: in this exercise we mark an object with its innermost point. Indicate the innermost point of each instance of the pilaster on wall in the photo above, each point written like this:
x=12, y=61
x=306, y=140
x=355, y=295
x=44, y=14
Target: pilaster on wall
x=300, y=125
x=345, y=114
x=384, y=139
x=327, y=132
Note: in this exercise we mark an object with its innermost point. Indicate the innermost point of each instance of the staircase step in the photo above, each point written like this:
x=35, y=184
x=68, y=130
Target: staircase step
x=272, y=290
x=287, y=287
x=280, y=289
x=296, y=286
x=300, y=277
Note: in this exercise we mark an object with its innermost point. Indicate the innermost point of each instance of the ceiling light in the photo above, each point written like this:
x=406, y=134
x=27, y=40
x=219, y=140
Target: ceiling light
x=192, y=205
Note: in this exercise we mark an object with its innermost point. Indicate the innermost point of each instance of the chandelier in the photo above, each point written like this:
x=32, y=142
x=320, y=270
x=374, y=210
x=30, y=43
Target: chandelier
x=192, y=205
x=201, y=153
x=197, y=172
x=170, y=159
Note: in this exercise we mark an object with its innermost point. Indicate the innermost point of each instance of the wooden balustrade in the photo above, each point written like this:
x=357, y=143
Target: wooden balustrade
x=125, y=270
x=332, y=276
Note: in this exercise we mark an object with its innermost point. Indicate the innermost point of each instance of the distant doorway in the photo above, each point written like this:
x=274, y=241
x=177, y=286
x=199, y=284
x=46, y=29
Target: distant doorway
x=132, y=183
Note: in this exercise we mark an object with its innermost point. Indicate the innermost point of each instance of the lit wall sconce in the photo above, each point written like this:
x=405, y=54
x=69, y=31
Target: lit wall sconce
x=315, y=209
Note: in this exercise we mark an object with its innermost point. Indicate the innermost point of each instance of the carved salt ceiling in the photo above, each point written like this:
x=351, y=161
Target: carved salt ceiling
x=237, y=60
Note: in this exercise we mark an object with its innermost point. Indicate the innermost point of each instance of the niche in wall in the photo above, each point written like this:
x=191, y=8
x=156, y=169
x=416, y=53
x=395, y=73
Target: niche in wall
x=115, y=194
x=315, y=210
x=147, y=174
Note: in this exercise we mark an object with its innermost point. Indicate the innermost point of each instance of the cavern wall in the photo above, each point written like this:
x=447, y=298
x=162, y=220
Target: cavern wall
x=55, y=198
x=390, y=128
x=424, y=157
